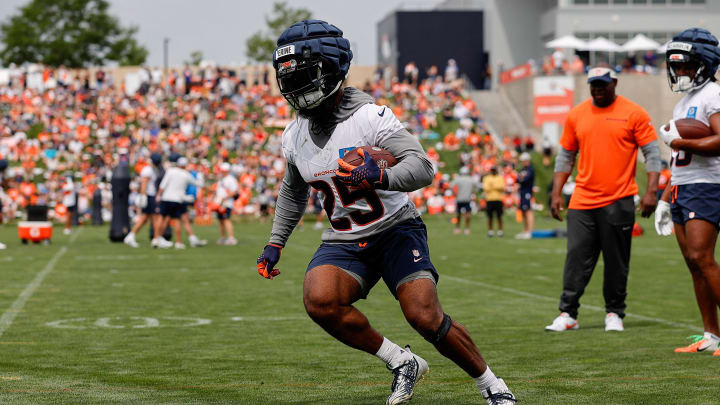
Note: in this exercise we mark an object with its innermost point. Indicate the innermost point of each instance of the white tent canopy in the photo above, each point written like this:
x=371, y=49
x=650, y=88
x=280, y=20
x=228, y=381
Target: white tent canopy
x=602, y=44
x=640, y=43
x=566, y=42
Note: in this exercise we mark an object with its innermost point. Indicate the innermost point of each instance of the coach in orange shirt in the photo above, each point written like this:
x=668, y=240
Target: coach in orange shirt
x=607, y=131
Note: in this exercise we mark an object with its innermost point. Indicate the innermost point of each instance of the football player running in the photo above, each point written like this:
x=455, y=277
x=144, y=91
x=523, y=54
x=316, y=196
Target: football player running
x=375, y=230
x=692, y=59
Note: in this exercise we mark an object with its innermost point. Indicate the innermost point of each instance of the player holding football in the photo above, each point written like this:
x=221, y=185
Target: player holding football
x=375, y=230
x=692, y=59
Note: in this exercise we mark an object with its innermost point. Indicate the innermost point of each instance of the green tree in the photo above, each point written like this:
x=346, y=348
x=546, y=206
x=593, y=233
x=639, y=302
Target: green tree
x=195, y=58
x=261, y=44
x=74, y=33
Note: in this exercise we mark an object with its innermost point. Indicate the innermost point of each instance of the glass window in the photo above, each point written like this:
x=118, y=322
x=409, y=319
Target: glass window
x=677, y=2
x=659, y=1
x=697, y=1
x=620, y=37
x=620, y=2
x=600, y=2
x=659, y=37
x=581, y=2
x=583, y=35
x=639, y=1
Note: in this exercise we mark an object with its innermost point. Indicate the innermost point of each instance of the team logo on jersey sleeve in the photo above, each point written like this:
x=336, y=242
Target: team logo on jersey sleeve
x=692, y=112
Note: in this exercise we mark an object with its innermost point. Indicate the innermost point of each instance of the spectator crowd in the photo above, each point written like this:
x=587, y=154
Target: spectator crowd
x=62, y=132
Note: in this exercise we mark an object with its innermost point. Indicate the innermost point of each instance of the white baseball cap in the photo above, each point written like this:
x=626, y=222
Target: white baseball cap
x=182, y=161
x=524, y=156
x=225, y=167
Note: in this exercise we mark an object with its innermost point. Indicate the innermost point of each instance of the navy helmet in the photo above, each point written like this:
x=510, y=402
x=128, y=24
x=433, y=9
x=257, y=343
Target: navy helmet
x=698, y=47
x=174, y=157
x=311, y=61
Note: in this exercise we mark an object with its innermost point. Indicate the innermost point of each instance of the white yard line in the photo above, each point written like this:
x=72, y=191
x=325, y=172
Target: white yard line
x=8, y=317
x=555, y=299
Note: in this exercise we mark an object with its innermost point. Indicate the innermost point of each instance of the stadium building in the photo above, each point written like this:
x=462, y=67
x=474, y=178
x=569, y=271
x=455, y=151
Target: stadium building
x=510, y=32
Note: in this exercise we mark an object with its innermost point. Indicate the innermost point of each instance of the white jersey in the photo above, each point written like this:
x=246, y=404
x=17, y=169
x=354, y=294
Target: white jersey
x=352, y=210
x=227, y=188
x=174, y=184
x=149, y=172
x=69, y=199
x=689, y=168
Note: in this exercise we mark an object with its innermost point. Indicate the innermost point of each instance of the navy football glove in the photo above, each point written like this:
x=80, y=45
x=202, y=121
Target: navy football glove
x=268, y=259
x=367, y=176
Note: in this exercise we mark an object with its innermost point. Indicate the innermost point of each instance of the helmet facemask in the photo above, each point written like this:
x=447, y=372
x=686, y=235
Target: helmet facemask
x=681, y=53
x=305, y=85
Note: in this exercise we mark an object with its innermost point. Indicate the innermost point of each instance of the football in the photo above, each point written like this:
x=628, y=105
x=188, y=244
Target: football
x=383, y=158
x=690, y=128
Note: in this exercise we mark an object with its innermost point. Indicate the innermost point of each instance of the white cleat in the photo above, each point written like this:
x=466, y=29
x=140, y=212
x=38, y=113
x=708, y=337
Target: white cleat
x=179, y=245
x=161, y=243
x=523, y=236
x=230, y=241
x=318, y=226
x=67, y=231
x=2, y=246
x=195, y=242
x=499, y=394
x=406, y=377
x=130, y=240
x=220, y=241
x=562, y=323
x=613, y=322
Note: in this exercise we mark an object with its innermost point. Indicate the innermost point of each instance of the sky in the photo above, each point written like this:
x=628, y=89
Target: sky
x=219, y=28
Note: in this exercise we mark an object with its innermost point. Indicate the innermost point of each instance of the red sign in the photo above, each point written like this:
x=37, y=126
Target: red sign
x=553, y=98
x=516, y=73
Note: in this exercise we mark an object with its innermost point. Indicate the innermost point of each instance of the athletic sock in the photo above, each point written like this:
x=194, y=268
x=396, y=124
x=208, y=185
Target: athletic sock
x=486, y=380
x=712, y=338
x=391, y=354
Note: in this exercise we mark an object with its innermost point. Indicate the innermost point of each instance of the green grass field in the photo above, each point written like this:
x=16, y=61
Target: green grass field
x=87, y=321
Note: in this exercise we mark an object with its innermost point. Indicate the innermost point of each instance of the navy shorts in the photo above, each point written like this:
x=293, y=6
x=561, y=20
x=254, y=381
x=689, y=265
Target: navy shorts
x=463, y=207
x=223, y=215
x=151, y=207
x=394, y=255
x=525, y=204
x=696, y=201
x=172, y=209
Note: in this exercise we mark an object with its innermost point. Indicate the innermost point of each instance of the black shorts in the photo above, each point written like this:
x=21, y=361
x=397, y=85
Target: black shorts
x=172, y=209
x=151, y=207
x=223, y=214
x=395, y=255
x=463, y=207
x=494, y=207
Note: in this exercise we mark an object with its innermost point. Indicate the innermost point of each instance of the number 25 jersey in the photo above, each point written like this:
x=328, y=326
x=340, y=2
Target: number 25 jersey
x=351, y=212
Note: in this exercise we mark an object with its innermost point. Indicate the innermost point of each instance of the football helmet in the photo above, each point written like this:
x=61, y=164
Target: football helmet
x=311, y=61
x=698, y=47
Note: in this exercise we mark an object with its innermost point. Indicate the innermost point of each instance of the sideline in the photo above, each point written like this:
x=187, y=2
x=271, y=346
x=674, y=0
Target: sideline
x=555, y=299
x=9, y=316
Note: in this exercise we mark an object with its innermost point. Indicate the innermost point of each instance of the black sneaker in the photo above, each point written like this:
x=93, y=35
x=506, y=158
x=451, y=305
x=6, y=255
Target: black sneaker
x=406, y=376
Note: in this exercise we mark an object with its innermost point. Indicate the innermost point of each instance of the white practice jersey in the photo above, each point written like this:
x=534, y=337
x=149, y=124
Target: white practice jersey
x=352, y=210
x=689, y=168
x=148, y=172
x=174, y=184
x=227, y=187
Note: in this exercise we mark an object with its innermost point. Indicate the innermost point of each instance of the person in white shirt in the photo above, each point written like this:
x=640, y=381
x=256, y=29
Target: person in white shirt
x=225, y=195
x=70, y=202
x=149, y=210
x=171, y=195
